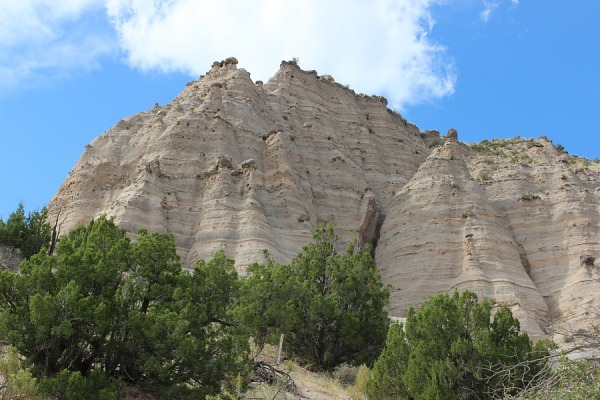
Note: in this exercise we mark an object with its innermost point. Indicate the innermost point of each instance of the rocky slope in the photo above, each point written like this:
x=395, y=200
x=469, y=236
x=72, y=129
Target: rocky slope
x=243, y=166
x=521, y=233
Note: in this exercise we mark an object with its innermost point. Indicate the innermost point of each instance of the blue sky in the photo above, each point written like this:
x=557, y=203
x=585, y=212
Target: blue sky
x=69, y=70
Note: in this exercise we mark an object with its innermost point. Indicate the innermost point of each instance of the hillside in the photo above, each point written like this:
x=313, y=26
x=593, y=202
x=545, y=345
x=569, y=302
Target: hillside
x=243, y=166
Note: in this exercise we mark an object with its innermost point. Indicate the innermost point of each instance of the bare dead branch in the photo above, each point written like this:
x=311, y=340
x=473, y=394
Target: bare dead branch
x=265, y=372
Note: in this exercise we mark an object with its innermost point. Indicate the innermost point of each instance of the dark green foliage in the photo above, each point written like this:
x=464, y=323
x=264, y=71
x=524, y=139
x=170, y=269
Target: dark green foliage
x=386, y=378
x=266, y=305
x=449, y=349
x=104, y=310
x=330, y=306
x=27, y=233
x=12, y=232
x=72, y=385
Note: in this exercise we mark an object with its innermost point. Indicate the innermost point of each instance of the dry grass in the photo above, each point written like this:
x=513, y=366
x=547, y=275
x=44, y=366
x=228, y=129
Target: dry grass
x=311, y=385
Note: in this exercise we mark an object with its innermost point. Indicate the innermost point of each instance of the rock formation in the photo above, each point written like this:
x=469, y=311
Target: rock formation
x=442, y=234
x=242, y=166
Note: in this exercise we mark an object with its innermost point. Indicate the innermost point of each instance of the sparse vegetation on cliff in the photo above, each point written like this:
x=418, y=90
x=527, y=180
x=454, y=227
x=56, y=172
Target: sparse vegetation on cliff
x=524, y=152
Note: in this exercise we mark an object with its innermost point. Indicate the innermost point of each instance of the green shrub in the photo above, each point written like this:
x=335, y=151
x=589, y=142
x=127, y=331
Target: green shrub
x=453, y=348
x=329, y=305
x=28, y=233
x=345, y=374
x=71, y=385
x=484, y=176
x=16, y=381
x=358, y=391
x=105, y=309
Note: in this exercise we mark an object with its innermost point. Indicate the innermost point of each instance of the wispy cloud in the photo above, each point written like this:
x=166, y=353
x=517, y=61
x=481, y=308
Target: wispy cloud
x=41, y=38
x=489, y=7
x=373, y=46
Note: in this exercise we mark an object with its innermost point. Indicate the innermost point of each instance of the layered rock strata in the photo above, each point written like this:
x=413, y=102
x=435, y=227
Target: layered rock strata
x=244, y=166
x=551, y=203
x=443, y=234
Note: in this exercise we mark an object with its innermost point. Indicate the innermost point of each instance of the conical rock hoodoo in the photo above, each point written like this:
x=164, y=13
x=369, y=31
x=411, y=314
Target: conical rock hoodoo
x=442, y=234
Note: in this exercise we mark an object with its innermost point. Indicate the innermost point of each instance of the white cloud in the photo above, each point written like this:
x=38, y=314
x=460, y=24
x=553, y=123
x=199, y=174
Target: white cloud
x=373, y=46
x=489, y=7
x=376, y=47
x=46, y=37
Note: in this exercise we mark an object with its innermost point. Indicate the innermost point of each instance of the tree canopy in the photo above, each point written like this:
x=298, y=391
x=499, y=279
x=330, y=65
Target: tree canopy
x=27, y=233
x=105, y=309
x=452, y=348
x=329, y=305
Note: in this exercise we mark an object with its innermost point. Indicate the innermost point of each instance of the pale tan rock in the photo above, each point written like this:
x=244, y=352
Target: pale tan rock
x=443, y=234
x=234, y=165
x=243, y=167
x=554, y=214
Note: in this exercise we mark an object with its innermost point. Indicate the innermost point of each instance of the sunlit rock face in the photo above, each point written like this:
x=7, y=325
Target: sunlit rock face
x=443, y=234
x=244, y=166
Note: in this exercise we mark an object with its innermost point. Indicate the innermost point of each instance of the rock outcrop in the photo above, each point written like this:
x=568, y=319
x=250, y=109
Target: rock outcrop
x=239, y=166
x=551, y=204
x=242, y=166
x=443, y=234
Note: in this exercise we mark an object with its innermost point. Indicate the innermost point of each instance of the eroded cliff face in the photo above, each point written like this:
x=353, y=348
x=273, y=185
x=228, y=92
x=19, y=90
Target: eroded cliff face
x=550, y=203
x=514, y=221
x=242, y=166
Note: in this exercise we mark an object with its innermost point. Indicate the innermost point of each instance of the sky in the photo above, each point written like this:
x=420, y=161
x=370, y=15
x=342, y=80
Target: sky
x=71, y=69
